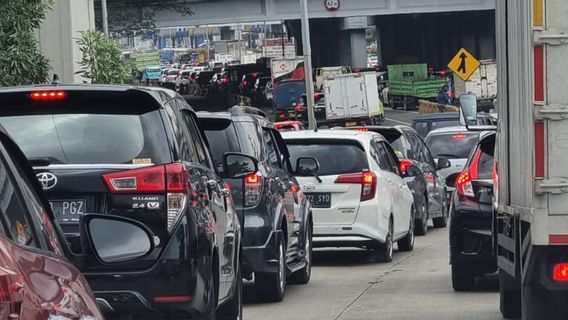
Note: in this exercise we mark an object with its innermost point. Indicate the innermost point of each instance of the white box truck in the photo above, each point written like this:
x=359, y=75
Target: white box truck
x=353, y=99
x=483, y=84
x=531, y=223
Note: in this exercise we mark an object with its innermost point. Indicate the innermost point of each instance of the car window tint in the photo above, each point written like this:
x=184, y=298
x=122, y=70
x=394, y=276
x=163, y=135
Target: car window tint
x=14, y=212
x=196, y=139
x=185, y=145
x=90, y=138
x=250, y=139
x=396, y=140
x=421, y=128
x=425, y=154
x=383, y=158
x=334, y=157
x=393, y=160
x=452, y=145
x=271, y=149
x=485, y=166
x=222, y=138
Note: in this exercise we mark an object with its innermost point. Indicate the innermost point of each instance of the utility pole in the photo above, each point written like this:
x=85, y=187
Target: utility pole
x=308, y=65
x=105, y=17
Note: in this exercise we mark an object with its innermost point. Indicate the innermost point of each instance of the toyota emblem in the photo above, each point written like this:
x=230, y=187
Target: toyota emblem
x=47, y=180
x=309, y=187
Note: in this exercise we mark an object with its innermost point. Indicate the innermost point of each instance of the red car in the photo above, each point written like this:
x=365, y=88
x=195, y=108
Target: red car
x=36, y=281
x=289, y=126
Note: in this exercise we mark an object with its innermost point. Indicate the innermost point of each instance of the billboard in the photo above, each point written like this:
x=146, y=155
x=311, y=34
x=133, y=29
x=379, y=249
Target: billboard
x=273, y=47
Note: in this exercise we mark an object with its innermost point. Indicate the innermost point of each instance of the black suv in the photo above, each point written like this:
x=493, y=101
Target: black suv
x=428, y=188
x=471, y=212
x=277, y=218
x=136, y=153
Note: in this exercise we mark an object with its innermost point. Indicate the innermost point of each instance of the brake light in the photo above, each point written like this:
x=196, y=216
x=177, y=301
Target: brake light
x=48, y=95
x=171, y=179
x=560, y=272
x=300, y=108
x=253, y=189
x=225, y=81
x=362, y=129
x=281, y=116
x=459, y=137
x=404, y=164
x=367, y=179
x=443, y=73
x=463, y=181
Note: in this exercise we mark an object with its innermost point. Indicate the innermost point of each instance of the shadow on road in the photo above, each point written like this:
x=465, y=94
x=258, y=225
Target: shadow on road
x=343, y=257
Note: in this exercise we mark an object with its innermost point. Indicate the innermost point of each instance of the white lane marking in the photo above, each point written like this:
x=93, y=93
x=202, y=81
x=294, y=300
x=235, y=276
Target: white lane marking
x=397, y=121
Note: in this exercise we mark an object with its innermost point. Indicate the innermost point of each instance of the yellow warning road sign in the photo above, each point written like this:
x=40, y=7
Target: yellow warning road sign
x=464, y=64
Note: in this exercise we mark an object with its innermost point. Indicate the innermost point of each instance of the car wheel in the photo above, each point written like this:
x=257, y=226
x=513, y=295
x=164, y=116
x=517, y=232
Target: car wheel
x=272, y=286
x=510, y=296
x=384, y=250
x=233, y=309
x=407, y=243
x=442, y=222
x=421, y=227
x=303, y=275
x=463, y=278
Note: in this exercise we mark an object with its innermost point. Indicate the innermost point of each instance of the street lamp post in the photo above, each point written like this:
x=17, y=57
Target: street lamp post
x=308, y=65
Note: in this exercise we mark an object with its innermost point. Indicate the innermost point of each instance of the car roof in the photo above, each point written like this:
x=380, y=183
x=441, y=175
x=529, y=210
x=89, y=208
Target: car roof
x=449, y=130
x=331, y=134
x=233, y=117
x=437, y=116
x=161, y=95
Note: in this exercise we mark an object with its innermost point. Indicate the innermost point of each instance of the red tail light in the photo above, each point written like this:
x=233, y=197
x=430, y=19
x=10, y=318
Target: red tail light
x=281, y=116
x=463, y=181
x=459, y=137
x=253, y=189
x=367, y=179
x=300, y=108
x=48, y=95
x=560, y=272
x=362, y=129
x=225, y=81
x=171, y=179
x=404, y=164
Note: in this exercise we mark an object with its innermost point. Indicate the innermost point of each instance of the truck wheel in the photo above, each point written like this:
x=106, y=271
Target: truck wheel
x=272, y=286
x=510, y=294
x=463, y=278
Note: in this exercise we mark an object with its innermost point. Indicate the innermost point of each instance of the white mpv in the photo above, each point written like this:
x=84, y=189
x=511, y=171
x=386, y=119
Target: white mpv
x=358, y=194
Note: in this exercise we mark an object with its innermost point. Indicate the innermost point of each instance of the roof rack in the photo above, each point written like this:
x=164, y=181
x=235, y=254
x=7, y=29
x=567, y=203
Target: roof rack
x=242, y=110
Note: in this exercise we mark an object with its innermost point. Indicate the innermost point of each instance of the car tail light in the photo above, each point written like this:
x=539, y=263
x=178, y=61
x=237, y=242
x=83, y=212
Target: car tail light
x=362, y=129
x=459, y=137
x=225, y=81
x=367, y=179
x=281, y=116
x=404, y=164
x=48, y=95
x=464, y=179
x=560, y=272
x=300, y=108
x=253, y=189
x=171, y=179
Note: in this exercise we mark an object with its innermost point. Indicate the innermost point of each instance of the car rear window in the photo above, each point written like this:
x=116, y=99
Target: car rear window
x=453, y=145
x=222, y=137
x=485, y=166
x=334, y=157
x=90, y=138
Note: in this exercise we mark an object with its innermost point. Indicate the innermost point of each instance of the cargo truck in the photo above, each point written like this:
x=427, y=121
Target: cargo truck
x=353, y=99
x=482, y=84
x=530, y=184
x=409, y=83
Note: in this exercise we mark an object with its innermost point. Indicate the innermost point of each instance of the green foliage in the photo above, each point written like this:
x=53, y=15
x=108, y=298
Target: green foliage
x=102, y=61
x=21, y=63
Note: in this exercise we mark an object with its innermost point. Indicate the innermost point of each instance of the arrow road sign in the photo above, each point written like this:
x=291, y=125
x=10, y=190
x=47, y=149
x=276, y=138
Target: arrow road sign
x=464, y=64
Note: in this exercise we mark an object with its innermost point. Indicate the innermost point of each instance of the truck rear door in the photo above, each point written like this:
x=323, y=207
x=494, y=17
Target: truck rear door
x=355, y=93
x=334, y=99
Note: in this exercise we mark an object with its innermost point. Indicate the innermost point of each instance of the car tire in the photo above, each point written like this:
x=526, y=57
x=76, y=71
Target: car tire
x=233, y=309
x=303, y=275
x=421, y=225
x=510, y=296
x=442, y=222
x=384, y=251
x=407, y=243
x=271, y=287
x=463, y=278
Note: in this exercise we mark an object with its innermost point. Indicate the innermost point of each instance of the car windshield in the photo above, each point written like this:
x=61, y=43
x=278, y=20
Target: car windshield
x=334, y=157
x=453, y=145
x=90, y=138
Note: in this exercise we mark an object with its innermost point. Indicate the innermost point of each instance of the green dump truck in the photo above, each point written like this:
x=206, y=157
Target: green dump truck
x=410, y=82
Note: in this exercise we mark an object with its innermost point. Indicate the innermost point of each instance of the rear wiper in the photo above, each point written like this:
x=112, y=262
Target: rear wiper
x=39, y=162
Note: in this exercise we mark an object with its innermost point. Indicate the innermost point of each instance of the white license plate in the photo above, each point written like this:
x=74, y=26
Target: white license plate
x=68, y=210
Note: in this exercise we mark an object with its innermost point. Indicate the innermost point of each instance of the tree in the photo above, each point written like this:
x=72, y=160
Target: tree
x=102, y=61
x=136, y=17
x=21, y=63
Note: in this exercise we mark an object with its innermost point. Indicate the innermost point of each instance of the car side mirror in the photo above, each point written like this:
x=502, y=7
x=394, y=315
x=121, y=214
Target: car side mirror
x=115, y=239
x=307, y=166
x=443, y=163
x=239, y=165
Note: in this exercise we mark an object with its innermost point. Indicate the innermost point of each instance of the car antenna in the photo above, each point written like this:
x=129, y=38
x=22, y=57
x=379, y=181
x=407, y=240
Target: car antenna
x=55, y=80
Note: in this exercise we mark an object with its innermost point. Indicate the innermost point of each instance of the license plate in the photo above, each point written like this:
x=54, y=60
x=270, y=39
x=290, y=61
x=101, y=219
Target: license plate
x=319, y=200
x=68, y=210
x=350, y=124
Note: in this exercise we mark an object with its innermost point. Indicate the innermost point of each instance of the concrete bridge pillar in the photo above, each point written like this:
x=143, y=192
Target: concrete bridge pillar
x=58, y=33
x=353, y=45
